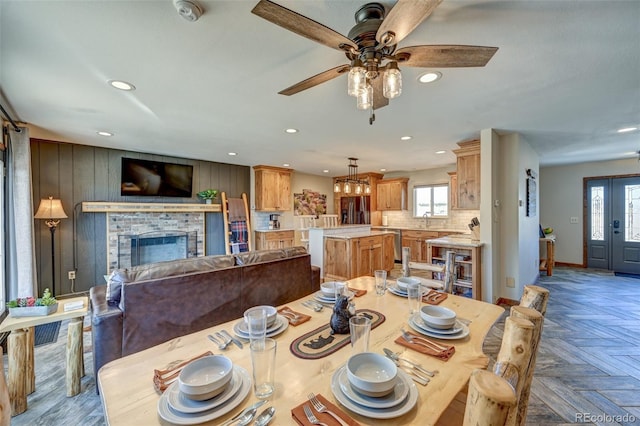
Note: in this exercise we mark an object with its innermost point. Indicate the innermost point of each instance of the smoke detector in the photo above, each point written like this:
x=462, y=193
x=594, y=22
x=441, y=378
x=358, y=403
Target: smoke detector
x=188, y=9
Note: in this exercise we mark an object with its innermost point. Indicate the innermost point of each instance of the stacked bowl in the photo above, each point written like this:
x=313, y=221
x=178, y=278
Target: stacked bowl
x=438, y=317
x=205, y=378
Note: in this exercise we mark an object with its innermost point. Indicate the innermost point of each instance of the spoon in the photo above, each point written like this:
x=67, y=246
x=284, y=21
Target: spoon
x=312, y=305
x=245, y=417
x=265, y=417
x=221, y=346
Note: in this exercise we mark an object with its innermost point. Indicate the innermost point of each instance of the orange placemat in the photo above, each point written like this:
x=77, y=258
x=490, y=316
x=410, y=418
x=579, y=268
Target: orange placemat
x=295, y=318
x=357, y=292
x=444, y=354
x=434, y=297
x=298, y=415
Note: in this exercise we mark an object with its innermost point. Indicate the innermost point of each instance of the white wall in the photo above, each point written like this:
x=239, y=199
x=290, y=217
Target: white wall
x=561, y=189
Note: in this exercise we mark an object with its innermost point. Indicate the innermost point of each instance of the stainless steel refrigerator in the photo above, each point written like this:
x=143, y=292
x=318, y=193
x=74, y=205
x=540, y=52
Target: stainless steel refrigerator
x=355, y=210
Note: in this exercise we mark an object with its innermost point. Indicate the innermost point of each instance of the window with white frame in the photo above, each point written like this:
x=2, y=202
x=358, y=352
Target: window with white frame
x=431, y=200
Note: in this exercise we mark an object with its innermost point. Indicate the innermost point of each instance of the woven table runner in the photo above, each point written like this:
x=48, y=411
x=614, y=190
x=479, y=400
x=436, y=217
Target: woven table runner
x=320, y=342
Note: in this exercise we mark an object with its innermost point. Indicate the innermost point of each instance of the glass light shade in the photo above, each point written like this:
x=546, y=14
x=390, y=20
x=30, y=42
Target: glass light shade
x=358, y=189
x=356, y=81
x=347, y=188
x=392, y=83
x=336, y=187
x=365, y=98
x=367, y=189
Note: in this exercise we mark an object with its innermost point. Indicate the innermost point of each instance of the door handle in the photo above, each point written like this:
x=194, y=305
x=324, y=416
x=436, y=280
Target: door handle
x=616, y=232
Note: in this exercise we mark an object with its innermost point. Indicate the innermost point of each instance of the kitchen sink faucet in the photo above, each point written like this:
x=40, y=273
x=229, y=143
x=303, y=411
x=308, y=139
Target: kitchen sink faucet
x=426, y=219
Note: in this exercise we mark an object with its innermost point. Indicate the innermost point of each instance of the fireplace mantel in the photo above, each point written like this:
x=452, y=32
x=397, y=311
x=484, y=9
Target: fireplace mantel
x=113, y=207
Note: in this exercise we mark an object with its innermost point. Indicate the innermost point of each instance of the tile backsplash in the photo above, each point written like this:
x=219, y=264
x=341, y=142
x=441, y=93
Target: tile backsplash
x=457, y=219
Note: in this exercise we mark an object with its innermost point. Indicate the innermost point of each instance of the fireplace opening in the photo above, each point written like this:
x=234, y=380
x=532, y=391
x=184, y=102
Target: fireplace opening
x=152, y=247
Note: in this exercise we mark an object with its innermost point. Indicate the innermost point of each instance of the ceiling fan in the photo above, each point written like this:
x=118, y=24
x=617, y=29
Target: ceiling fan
x=371, y=46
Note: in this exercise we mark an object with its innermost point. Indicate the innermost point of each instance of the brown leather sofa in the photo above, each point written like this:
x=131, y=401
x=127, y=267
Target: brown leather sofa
x=150, y=304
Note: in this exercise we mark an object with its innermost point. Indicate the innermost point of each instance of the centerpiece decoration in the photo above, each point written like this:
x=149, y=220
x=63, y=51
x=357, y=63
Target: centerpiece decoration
x=30, y=306
x=208, y=195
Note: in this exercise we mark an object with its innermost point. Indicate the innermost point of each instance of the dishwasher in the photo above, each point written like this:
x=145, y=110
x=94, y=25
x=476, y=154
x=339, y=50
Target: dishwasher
x=397, y=245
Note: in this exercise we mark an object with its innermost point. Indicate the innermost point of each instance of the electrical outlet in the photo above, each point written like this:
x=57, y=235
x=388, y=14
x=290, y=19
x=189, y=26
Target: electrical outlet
x=72, y=275
x=573, y=219
x=511, y=282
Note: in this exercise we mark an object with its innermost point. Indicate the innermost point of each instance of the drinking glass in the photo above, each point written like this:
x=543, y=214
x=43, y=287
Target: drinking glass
x=256, y=324
x=360, y=328
x=381, y=282
x=263, y=361
x=414, y=295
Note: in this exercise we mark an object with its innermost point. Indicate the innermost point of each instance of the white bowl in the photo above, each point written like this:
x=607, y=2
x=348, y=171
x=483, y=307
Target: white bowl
x=205, y=377
x=272, y=313
x=329, y=288
x=438, y=317
x=372, y=374
x=403, y=282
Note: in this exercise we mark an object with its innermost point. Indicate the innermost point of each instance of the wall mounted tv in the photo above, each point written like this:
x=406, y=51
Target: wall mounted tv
x=155, y=178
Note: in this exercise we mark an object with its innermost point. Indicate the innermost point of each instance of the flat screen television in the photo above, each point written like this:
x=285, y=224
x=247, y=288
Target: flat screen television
x=155, y=178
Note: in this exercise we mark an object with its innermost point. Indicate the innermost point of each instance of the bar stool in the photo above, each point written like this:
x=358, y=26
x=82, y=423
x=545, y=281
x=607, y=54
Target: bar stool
x=306, y=221
x=329, y=220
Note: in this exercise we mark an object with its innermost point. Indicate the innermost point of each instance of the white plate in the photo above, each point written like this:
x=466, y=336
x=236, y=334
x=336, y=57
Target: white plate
x=282, y=325
x=402, y=293
x=179, y=401
x=399, y=393
x=457, y=328
x=377, y=413
x=413, y=323
x=176, y=417
x=244, y=329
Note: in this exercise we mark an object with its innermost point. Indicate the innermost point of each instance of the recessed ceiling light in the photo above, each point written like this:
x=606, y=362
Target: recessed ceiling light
x=285, y=165
x=627, y=129
x=122, y=85
x=406, y=138
x=325, y=171
x=383, y=170
x=429, y=77
x=440, y=152
x=233, y=153
x=102, y=133
x=291, y=130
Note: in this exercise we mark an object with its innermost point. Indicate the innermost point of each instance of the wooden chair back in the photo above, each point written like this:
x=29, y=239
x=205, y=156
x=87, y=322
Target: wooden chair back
x=329, y=220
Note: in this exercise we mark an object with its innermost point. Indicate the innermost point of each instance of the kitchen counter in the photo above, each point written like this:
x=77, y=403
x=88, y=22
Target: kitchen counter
x=409, y=228
x=455, y=241
x=274, y=230
x=358, y=235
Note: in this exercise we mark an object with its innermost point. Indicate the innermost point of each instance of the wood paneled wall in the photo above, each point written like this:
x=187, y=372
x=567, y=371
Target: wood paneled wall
x=76, y=173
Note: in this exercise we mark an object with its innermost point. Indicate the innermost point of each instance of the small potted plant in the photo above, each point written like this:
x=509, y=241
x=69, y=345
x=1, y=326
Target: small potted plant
x=30, y=306
x=208, y=195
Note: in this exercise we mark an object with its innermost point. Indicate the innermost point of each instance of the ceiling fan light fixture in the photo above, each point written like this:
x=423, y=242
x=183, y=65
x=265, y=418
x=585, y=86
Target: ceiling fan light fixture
x=356, y=79
x=392, y=81
x=365, y=98
x=430, y=77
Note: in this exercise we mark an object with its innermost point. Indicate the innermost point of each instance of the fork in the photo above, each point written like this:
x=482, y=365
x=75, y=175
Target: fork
x=422, y=341
x=311, y=417
x=312, y=305
x=320, y=408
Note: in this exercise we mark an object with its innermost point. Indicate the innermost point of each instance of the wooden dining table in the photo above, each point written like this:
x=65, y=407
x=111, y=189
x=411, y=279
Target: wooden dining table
x=129, y=398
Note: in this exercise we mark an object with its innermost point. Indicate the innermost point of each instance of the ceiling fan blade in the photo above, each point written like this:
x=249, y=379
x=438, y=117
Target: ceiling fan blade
x=315, y=80
x=445, y=56
x=405, y=16
x=301, y=25
x=379, y=100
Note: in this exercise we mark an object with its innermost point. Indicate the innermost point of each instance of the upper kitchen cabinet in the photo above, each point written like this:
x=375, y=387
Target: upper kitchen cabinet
x=273, y=188
x=392, y=194
x=467, y=175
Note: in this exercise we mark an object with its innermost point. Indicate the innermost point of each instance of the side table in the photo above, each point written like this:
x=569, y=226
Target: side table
x=547, y=264
x=21, y=376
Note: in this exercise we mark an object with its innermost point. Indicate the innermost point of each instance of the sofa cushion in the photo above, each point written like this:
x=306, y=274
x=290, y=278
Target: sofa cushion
x=295, y=251
x=169, y=268
x=259, y=256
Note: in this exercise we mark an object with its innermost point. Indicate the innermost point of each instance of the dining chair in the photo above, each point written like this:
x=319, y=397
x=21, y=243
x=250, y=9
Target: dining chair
x=5, y=402
x=535, y=297
x=329, y=220
x=306, y=221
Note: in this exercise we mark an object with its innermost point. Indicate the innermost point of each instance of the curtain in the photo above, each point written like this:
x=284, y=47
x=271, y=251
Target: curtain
x=20, y=270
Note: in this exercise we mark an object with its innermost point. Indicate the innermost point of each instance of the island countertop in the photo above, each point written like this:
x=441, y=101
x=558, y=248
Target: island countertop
x=358, y=235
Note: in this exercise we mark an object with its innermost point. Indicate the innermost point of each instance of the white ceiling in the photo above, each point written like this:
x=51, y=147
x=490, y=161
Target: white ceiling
x=566, y=76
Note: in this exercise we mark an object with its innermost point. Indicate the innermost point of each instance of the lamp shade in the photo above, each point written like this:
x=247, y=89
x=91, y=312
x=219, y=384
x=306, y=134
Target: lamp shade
x=50, y=209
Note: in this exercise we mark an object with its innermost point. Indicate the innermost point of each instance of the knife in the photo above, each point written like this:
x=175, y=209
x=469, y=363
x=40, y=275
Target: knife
x=237, y=342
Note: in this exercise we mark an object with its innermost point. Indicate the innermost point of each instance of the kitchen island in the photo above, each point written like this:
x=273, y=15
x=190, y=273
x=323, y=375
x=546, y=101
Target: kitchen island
x=467, y=269
x=348, y=256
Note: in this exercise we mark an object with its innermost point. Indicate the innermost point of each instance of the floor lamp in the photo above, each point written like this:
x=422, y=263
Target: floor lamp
x=51, y=212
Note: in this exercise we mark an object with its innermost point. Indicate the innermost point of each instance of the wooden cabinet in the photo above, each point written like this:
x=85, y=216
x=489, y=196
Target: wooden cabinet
x=352, y=257
x=466, y=266
x=274, y=239
x=392, y=194
x=453, y=190
x=415, y=240
x=273, y=188
x=468, y=175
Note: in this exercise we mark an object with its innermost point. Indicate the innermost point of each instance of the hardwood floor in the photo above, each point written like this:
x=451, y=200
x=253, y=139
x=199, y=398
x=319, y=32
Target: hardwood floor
x=588, y=364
